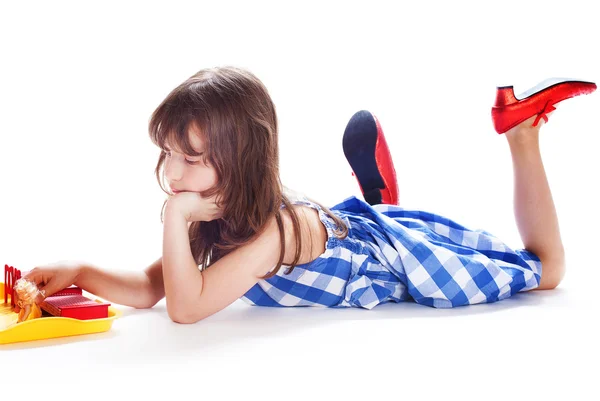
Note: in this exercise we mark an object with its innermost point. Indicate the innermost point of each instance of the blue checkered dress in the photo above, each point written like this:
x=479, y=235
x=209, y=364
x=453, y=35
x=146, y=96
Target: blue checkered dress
x=392, y=254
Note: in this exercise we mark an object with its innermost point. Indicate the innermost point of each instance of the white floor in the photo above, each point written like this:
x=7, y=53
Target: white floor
x=76, y=167
x=536, y=344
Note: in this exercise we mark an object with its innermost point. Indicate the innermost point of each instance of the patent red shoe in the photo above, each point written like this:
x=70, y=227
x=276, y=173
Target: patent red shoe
x=510, y=110
x=367, y=152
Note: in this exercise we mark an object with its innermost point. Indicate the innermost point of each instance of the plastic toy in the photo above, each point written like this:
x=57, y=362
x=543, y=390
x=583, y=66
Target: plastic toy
x=25, y=293
x=10, y=276
x=66, y=313
x=75, y=306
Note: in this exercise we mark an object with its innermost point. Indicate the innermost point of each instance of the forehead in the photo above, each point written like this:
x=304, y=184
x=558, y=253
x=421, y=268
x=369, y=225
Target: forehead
x=194, y=137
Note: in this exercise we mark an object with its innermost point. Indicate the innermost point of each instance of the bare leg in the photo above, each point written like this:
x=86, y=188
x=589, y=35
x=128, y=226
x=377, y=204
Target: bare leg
x=534, y=209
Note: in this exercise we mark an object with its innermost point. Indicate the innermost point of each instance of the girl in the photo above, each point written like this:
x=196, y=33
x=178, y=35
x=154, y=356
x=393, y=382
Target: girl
x=232, y=231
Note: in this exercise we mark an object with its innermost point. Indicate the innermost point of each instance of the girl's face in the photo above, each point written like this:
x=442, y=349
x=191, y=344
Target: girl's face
x=189, y=173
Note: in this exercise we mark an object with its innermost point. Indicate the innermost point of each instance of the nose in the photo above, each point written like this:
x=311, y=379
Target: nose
x=173, y=170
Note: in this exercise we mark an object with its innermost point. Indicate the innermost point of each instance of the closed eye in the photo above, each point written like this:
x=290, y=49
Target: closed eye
x=192, y=162
x=195, y=161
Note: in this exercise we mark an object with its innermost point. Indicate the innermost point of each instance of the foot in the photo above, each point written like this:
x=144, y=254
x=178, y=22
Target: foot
x=367, y=152
x=526, y=131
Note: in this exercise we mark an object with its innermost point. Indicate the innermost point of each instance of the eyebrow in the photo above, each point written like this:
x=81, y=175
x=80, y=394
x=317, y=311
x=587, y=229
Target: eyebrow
x=201, y=152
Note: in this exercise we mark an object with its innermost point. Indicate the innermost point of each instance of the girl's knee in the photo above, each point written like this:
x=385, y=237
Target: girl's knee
x=553, y=272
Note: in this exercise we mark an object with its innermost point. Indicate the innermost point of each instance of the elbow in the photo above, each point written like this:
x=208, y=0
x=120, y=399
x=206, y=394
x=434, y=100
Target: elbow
x=183, y=320
x=183, y=317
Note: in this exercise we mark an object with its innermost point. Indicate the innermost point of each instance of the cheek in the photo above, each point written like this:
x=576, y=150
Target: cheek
x=205, y=178
x=211, y=176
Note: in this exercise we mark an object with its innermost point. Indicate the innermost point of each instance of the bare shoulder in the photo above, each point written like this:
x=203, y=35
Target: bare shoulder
x=312, y=232
x=267, y=245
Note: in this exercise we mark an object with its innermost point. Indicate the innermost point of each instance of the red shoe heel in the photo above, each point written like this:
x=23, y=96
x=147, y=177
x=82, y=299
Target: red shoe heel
x=510, y=110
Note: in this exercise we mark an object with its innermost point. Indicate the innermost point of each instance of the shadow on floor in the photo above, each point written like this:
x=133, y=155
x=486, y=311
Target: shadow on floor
x=241, y=322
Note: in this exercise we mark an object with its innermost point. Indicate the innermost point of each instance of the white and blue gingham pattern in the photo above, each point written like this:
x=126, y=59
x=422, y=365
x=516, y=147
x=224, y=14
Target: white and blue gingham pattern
x=393, y=254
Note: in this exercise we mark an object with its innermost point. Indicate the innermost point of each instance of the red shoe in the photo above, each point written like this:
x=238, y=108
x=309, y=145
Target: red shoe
x=367, y=152
x=509, y=111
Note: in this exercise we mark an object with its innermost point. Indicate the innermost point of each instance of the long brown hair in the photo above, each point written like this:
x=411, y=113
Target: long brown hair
x=236, y=117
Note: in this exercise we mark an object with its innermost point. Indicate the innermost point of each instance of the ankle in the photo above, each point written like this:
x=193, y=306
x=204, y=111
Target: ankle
x=523, y=137
x=524, y=133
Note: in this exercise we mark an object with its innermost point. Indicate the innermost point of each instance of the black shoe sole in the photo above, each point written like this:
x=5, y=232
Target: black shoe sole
x=359, y=142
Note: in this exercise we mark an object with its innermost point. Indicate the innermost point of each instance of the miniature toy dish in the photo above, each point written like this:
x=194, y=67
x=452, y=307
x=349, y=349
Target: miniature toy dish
x=48, y=327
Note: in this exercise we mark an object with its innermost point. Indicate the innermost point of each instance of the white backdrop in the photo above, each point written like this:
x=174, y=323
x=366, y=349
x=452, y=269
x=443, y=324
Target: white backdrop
x=78, y=82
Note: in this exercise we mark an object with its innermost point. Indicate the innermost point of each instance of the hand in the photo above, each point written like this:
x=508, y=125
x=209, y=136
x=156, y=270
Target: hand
x=53, y=277
x=193, y=207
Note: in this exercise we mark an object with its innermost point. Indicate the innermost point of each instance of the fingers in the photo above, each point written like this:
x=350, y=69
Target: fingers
x=41, y=296
x=36, y=276
x=48, y=290
x=45, y=285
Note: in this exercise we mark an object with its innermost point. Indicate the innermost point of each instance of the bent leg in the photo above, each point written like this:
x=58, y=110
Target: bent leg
x=534, y=209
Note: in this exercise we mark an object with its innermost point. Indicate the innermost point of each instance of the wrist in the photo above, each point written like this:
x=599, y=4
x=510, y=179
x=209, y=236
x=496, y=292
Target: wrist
x=172, y=210
x=81, y=270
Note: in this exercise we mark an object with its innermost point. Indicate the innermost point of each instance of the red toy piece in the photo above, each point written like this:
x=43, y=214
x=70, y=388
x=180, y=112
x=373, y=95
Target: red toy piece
x=75, y=306
x=11, y=275
x=69, y=291
x=509, y=111
x=6, y=278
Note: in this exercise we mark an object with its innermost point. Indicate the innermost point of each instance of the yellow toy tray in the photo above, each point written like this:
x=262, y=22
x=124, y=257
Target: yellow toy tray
x=47, y=327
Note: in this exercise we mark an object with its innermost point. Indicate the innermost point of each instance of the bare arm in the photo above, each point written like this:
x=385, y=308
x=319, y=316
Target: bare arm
x=137, y=289
x=193, y=295
x=182, y=277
